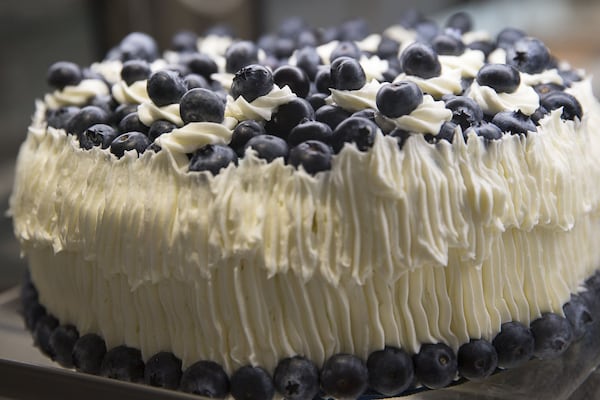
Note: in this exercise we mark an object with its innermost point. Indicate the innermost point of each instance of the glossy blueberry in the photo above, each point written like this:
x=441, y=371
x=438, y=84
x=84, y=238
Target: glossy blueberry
x=448, y=45
x=32, y=314
x=251, y=383
x=345, y=49
x=86, y=117
x=212, y=157
x=571, y=108
x=138, y=45
x=460, y=21
x=514, y=345
x=184, y=41
x=332, y=115
x=347, y=74
x=426, y=30
x=243, y=132
x=62, y=342
x=160, y=127
x=88, y=353
x=205, y=378
x=201, y=105
x=367, y=113
x=44, y=327
x=543, y=89
x=163, y=370
x=538, y=114
x=359, y=131
x=514, y=122
x=397, y=99
x=288, y=116
x=579, y=315
x=485, y=130
x=240, y=54
x=477, y=360
x=251, y=82
x=391, y=371
x=313, y=155
x=100, y=135
x=485, y=46
x=344, y=376
x=553, y=336
x=284, y=47
x=388, y=48
x=201, y=64
x=129, y=141
x=420, y=60
x=123, y=363
x=446, y=132
x=502, y=78
x=63, y=73
x=135, y=70
x=400, y=135
x=105, y=102
x=268, y=147
x=131, y=123
x=508, y=36
x=122, y=111
x=323, y=80
x=317, y=100
x=308, y=60
x=528, y=55
x=296, y=378
x=293, y=77
x=435, y=365
x=465, y=111
x=310, y=130
x=165, y=87
x=60, y=118
x=195, y=81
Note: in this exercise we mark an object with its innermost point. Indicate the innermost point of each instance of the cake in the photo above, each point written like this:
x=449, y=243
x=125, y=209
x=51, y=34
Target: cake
x=321, y=213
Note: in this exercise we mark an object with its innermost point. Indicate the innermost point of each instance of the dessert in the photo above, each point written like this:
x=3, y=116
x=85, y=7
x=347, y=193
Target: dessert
x=327, y=213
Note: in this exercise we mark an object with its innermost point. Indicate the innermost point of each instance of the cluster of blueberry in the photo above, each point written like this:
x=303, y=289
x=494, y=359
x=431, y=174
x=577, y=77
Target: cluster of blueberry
x=307, y=131
x=387, y=372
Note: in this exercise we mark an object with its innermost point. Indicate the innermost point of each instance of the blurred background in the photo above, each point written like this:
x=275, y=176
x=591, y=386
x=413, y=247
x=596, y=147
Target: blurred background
x=36, y=33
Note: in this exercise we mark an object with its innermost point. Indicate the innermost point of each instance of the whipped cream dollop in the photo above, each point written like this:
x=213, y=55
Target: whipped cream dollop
x=136, y=93
x=109, y=70
x=356, y=100
x=76, y=95
x=428, y=117
x=374, y=67
x=469, y=63
x=148, y=112
x=524, y=99
x=448, y=82
x=261, y=108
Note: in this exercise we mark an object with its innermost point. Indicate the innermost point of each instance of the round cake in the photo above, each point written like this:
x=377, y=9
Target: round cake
x=320, y=213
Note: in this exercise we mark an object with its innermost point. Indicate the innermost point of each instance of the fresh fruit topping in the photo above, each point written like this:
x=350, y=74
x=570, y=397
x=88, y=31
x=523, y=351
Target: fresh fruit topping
x=33, y=313
x=514, y=344
x=163, y=370
x=293, y=77
x=420, y=59
x=388, y=48
x=160, y=127
x=64, y=73
x=137, y=45
x=323, y=80
x=569, y=76
x=359, y=131
x=390, y=371
x=317, y=100
x=347, y=74
x=88, y=353
x=243, y=132
x=552, y=334
x=332, y=115
x=201, y=105
x=195, y=81
x=308, y=60
x=426, y=30
x=288, y=116
x=528, y=55
x=507, y=37
x=502, y=78
x=460, y=21
x=239, y=55
x=123, y=110
x=165, y=87
x=62, y=341
x=514, y=122
x=184, y=41
x=313, y=155
x=400, y=135
x=296, y=378
x=397, y=99
x=86, y=117
x=251, y=383
x=448, y=45
x=465, y=111
x=201, y=64
x=129, y=141
x=571, y=108
x=538, y=114
x=131, y=123
x=344, y=376
x=446, y=132
x=251, y=82
x=543, y=89
x=310, y=130
x=579, y=315
x=44, y=327
x=60, y=118
x=205, y=378
x=354, y=29
x=135, y=70
x=485, y=46
x=345, y=49
x=29, y=294
x=485, y=130
x=123, y=363
x=268, y=147
x=435, y=365
x=212, y=157
x=477, y=359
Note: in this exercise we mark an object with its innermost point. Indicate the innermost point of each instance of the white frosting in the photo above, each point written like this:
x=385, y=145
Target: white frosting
x=400, y=34
x=475, y=36
x=497, y=56
x=548, y=76
x=261, y=108
x=148, y=112
x=109, y=70
x=135, y=93
x=469, y=63
x=356, y=100
x=370, y=43
x=76, y=95
x=374, y=67
x=428, y=117
x=449, y=82
x=523, y=99
x=324, y=51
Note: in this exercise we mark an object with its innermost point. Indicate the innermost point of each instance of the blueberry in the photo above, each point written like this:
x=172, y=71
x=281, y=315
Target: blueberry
x=86, y=117
x=293, y=77
x=212, y=157
x=579, y=315
x=426, y=30
x=64, y=73
x=388, y=48
x=239, y=55
x=100, y=135
x=251, y=383
x=446, y=132
x=195, y=81
x=306, y=38
x=367, y=113
x=502, y=78
x=485, y=130
x=288, y=116
x=313, y=155
x=528, y=55
x=123, y=363
x=543, y=89
x=400, y=135
x=420, y=60
x=391, y=371
x=160, y=127
x=514, y=345
x=184, y=41
x=460, y=21
x=29, y=295
x=135, y=70
x=552, y=334
x=129, y=141
x=344, y=376
x=345, y=49
x=268, y=147
x=317, y=100
x=296, y=378
x=485, y=46
x=201, y=64
x=538, y=114
x=138, y=45
x=105, y=102
x=477, y=359
x=62, y=342
x=165, y=87
x=131, y=123
x=354, y=29
x=359, y=131
x=122, y=111
x=60, y=118
x=569, y=76
x=507, y=37
x=267, y=43
x=347, y=74
x=243, y=132
x=201, y=105
x=571, y=108
x=284, y=47
x=310, y=130
x=465, y=111
x=446, y=44
x=410, y=18
x=332, y=115
x=45, y=325
x=308, y=60
x=323, y=81
x=397, y=99
x=88, y=353
x=251, y=82
x=205, y=378
x=435, y=365
x=514, y=122
x=163, y=370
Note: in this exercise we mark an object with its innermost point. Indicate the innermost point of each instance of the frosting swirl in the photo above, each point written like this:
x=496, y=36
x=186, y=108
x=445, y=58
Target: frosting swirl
x=135, y=93
x=428, y=117
x=148, y=112
x=261, y=108
x=449, y=82
x=469, y=63
x=524, y=99
x=76, y=95
x=356, y=100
